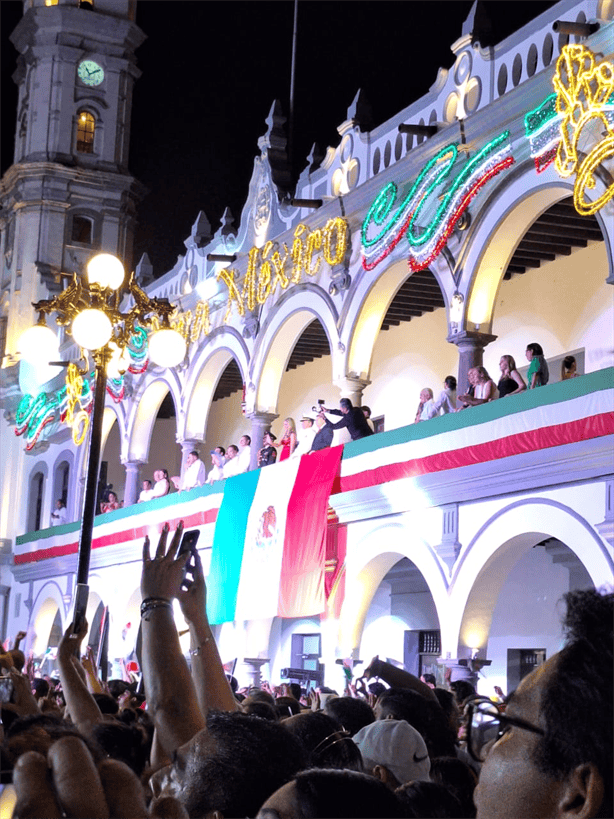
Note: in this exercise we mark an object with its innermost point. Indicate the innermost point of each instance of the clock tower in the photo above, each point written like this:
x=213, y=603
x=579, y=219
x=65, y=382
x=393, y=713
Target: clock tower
x=69, y=192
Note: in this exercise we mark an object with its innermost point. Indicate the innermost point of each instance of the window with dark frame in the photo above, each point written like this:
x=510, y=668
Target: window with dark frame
x=81, y=230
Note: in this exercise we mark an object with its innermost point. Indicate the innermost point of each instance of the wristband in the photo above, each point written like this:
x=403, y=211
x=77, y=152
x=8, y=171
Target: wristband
x=151, y=603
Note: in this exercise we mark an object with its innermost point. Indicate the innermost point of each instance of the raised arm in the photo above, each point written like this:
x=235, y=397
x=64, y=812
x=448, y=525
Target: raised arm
x=82, y=707
x=171, y=697
x=212, y=687
x=398, y=678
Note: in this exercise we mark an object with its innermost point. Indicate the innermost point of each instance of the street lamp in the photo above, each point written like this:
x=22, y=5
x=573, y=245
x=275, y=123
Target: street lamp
x=91, y=306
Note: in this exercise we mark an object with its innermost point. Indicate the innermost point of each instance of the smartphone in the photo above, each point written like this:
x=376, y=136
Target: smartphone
x=188, y=544
x=6, y=689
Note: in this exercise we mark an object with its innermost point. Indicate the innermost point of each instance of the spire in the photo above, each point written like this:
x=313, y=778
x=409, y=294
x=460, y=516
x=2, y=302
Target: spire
x=144, y=271
x=201, y=232
x=274, y=146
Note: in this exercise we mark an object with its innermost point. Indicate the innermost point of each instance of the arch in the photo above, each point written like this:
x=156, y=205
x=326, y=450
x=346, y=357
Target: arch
x=222, y=346
x=366, y=311
x=284, y=325
x=496, y=232
x=48, y=603
x=144, y=415
x=63, y=479
x=365, y=574
x=36, y=496
x=484, y=565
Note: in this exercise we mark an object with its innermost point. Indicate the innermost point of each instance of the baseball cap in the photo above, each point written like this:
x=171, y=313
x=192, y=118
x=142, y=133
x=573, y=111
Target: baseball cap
x=396, y=745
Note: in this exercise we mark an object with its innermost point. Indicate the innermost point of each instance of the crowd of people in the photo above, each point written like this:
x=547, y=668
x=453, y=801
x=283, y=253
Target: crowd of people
x=481, y=388
x=391, y=745
x=316, y=430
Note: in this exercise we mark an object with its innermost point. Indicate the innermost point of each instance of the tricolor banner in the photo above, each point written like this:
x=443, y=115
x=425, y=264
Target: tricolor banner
x=269, y=546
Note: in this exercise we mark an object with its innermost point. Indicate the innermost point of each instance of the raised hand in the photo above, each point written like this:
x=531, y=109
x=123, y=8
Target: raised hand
x=162, y=576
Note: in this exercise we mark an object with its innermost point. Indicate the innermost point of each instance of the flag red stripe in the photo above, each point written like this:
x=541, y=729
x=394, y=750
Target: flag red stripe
x=301, y=587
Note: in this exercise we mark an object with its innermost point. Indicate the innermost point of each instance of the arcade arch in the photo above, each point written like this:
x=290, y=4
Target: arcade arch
x=368, y=568
x=498, y=230
x=486, y=562
x=145, y=413
x=292, y=314
x=206, y=371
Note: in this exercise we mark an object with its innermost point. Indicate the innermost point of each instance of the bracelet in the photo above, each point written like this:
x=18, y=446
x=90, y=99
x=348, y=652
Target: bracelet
x=195, y=651
x=151, y=603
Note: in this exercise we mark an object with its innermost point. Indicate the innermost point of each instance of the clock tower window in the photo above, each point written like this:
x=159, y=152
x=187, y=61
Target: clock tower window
x=81, y=230
x=86, y=127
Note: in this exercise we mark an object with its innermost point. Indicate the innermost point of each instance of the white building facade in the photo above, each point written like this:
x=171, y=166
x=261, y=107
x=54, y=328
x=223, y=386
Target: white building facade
x=443, y=239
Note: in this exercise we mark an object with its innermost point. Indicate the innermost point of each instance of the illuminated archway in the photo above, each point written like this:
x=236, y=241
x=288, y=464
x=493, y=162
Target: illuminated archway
x=484, y=565
x=498, y=229
x=145, y=413
x=364, y=314
x=367, y=566
x=48, y=604
x=296, y=309
x=207, y=367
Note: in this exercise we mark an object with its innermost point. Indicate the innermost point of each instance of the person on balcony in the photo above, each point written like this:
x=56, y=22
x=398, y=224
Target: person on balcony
x=232, y=466
x=352, y=419
x=306, y=435
x=111, y=504
x=485, y=389
x=568, y=368
x=511, y=382
x=145, y=493
x=245, y=453
x=268, y=454
x=426, y=409
x=538, y=373
x=195, y=473
x=288, y=439
x=58, y=516
x=217, y=472
x=446, y=400
x=324, y=435
x=162, y=484
x=366, y=411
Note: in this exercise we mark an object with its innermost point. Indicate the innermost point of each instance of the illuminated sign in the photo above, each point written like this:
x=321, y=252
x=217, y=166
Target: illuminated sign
x=422, y=217
x=271, y=265
x=585, y=101
x=189, y=325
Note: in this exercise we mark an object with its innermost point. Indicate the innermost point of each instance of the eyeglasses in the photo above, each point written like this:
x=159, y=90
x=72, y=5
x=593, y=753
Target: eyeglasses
x=486, y=724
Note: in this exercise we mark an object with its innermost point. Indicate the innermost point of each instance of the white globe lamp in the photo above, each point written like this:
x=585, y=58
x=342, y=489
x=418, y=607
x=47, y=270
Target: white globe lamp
x=167, y=348
x=36, y=342
x=106, y=270
x=91, y=329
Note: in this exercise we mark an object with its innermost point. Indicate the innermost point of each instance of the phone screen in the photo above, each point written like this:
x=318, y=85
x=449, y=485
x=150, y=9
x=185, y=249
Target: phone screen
x=188, y=544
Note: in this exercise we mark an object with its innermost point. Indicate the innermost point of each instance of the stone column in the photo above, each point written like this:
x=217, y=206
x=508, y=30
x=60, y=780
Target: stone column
x=261, y=423
x=131, y=486
x=352, y=388
x=253, y=666
x=470, y=353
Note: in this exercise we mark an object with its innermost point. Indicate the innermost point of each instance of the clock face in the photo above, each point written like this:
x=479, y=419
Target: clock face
x=90, y=72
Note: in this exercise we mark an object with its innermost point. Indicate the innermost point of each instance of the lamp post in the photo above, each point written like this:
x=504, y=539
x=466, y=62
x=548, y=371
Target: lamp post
x=91, y=306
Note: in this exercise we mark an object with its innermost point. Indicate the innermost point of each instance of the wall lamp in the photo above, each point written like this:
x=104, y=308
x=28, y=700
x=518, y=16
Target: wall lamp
x=418, y=130
x=221, y=257
x=575, y=29
x=306, y=203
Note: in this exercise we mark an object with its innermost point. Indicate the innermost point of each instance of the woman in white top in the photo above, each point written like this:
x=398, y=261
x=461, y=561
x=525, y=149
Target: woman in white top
x=446, y=401
x=485, y=389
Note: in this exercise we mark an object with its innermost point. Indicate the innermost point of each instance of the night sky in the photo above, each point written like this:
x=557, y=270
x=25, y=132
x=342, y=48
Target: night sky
x=212, y=69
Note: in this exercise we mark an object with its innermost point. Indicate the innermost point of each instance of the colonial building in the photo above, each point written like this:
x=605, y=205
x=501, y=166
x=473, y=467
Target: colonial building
x=475, y=221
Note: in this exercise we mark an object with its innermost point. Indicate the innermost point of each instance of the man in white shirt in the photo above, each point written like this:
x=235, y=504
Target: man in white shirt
x=217, y=473
x=232, y=465
x=195, y=472
x=305, y=437
x=58, y=516
x=146, y=492
x=245, y=453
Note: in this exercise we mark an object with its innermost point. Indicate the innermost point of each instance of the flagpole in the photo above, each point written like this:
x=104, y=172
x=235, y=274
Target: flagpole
x=292, y=80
